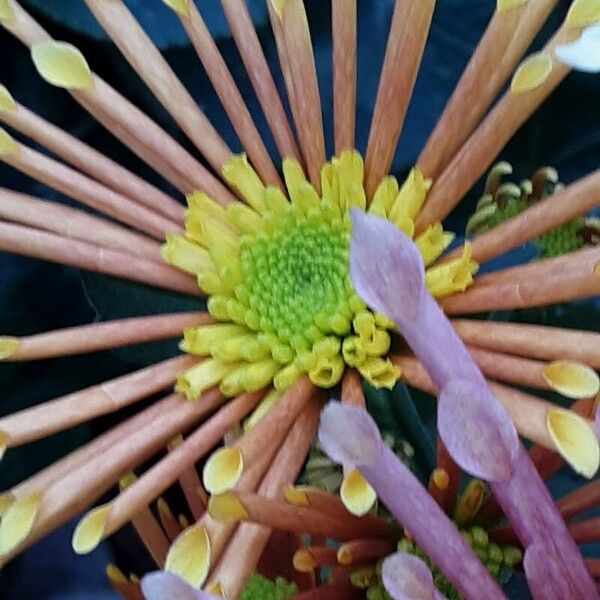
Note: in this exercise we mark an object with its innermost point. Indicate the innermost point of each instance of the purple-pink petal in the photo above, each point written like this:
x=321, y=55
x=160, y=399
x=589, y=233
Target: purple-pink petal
x=545, y=582
x=524, y=498
x=377, y=249
x=349, y=435
x=407, y=577
x=161, y=585
x=477, y=431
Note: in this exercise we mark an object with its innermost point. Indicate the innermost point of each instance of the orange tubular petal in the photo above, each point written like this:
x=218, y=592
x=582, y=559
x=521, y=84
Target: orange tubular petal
x=301, y=64
x=344, y=73
x=489, y=138
x=507, y=37
x=248, y=44
x=73, y=253
x=92, y=162
x=406, y=42
x=131, y=126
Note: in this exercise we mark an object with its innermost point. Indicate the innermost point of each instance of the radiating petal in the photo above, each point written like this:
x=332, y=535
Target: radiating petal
x=349, y=435
x=575, y=440
x=571, y=379
x=545, y=582
x=407, y=577
x=385, y=266
x=476, y=430
x=161, y=585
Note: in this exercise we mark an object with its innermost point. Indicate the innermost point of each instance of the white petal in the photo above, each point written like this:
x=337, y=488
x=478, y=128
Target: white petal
x=584, y=53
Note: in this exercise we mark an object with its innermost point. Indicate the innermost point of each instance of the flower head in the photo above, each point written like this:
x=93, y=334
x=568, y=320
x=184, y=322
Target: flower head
x=303, y=292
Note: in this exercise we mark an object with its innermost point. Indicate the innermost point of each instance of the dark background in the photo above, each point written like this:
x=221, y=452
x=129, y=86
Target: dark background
x=36, y=296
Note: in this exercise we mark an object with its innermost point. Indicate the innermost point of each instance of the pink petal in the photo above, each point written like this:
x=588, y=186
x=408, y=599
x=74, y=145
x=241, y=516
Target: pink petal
x=385, y=266
x=161, y=585
x=477, y=430
x=545, y=581
x=349, y=435
x=406, y=577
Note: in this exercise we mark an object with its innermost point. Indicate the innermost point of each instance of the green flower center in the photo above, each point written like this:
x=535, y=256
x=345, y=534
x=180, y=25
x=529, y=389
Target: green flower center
x=296, y=277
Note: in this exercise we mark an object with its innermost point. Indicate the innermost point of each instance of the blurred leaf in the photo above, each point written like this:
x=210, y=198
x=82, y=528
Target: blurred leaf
x=117, y=299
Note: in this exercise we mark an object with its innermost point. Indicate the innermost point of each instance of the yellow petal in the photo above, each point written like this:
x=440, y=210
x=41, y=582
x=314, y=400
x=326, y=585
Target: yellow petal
x=6, y=100
x=226, y=507
x=380, y=373
x=411, y=196
x=531, y=73
x=583, y=13
x=204, y=375
x=432, y=242
x=18, y=521
x=7, y=143
x=5, y=11
x=179, y=6
x=575, y=440
x=238, y=173
x=571, y=379
x=186, y=255
x=357, y=494
x=453, y=276
x=201, y=340
x=505, y=5
x=8, y=345
x=63, y=65
x=384, y=197
x=285, y=378
x=327, y=372
x=90, y=530
x=223, y=470
x=189, y=555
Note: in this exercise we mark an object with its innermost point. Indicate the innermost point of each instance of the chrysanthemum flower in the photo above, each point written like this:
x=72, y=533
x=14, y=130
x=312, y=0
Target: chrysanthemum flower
x=266, y=240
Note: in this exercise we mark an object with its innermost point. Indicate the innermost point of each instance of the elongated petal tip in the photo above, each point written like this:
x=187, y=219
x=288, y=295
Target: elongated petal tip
x=583, y=13
x=357, y=494
x=584, y=53
x=161, y=585
x=406, y=577
x=63, y=65
x=189, y=555
x=571, y=379
x=385, y=267
x=349, y=435
x=226, y=507
x=181, y=7
x=575, y=440
x=477, y=430
x=90, y=530
x=18, y=521
x=223, y=470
